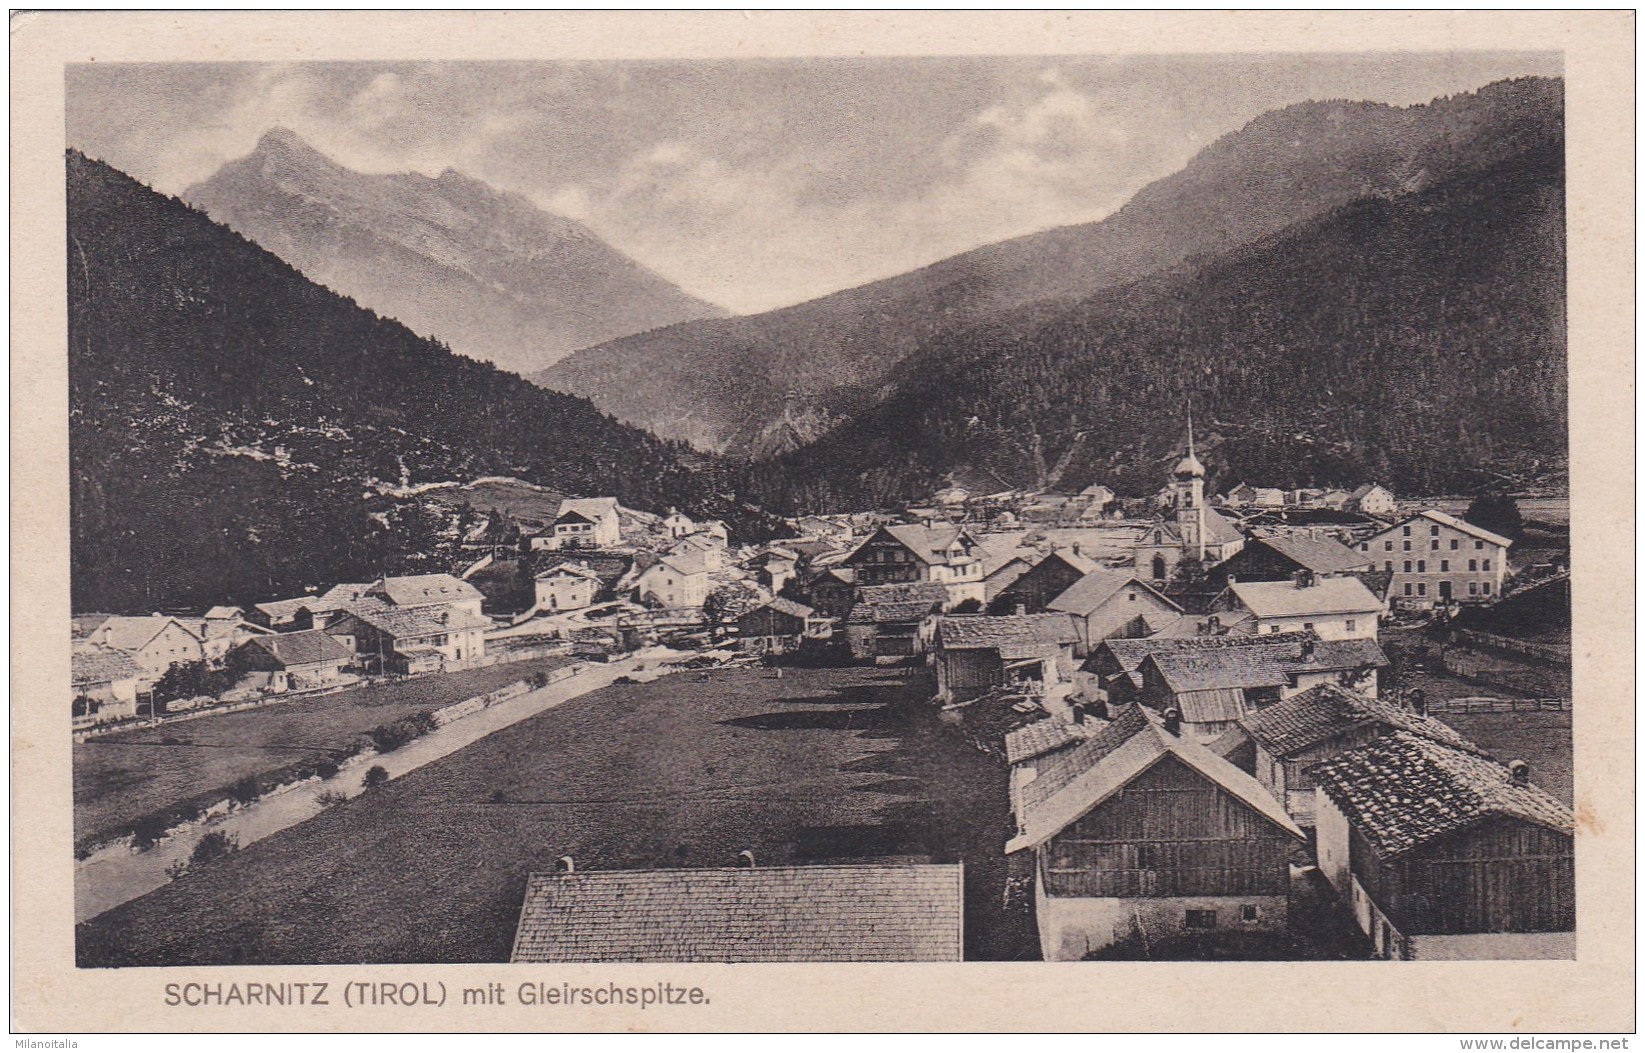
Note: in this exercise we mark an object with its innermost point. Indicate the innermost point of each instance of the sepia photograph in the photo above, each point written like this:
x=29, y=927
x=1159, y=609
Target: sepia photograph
x=840, y=508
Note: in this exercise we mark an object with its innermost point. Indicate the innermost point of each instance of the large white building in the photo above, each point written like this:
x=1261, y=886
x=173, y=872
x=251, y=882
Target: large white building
x=1438, y=558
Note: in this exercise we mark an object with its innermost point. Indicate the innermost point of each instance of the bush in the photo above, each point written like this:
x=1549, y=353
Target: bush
x=147, y=831
x=328, y=798
x=325, y=767
x=390, y=737
x=213, y=846
x=375, y=776
x=246, y=790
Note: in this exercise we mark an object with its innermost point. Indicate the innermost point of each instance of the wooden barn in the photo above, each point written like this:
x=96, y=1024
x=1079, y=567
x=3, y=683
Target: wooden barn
x=1041, y=583
x=976, y=653
x=779, y=626
x=894, y=621
x=1140, y=833
x=1447, y=855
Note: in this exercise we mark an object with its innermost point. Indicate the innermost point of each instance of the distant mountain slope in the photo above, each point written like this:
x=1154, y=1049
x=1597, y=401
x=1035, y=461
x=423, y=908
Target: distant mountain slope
x=487, y=272
x=1416, y=339
x=759, y=384
x=233, y=426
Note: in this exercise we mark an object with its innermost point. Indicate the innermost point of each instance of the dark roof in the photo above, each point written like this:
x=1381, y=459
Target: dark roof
x=100, y=665
x=609, y=566
x=1071, y=783
x=782, y=605
x=1012, y=635
x=847, y=913
x=279, y=610
x=910, y=602
x=572, y=516
x=1284, y=647
x=411, y=622
x=1047, y=736
x=1403, y=791
x=928, y=543
x=301, y=648
x=1320, y=555
x=1258, y=661
x=1321, y=713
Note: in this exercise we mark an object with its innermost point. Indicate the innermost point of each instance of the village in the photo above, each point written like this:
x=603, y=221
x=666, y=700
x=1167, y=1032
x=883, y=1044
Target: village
x=1240, y=725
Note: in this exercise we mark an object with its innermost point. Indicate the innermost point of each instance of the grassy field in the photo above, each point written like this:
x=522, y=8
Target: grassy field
x=120, y=779
x=686, y=771
x=1542, y=740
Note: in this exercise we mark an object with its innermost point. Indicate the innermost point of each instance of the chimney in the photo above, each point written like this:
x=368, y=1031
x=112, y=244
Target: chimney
x=1213, y=626
x=1519, y=773
x=1419, y=702
x=1076, y=713
x=1173, y=721
x=1075, y=547
x=1304, y=578
x=1022, y=608
x=745, y=859
x=1307, y=655
x=565, y=865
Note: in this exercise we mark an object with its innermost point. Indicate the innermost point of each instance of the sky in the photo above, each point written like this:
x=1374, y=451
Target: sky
x=755, y=184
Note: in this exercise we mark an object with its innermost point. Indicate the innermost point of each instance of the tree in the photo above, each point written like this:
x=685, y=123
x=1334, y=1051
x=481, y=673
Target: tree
x=731, y=601
x=1498, y=513
x=213, y=846
x=376, y=775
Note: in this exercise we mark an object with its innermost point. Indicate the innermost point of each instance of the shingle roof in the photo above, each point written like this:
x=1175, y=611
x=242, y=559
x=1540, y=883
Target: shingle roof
x=1073, y=782
x=427, y=590
x=928, y=543
x=1047, y=736
x=589, y=507
x=879, y=604
x=409, y=622
x=1285, y=599
x=279, y=610
x=338, y=596
x=1012, y=635
x=1323, y=712
x=1444, y=519
x=1097, y=588
x=124, y=633
x=1320, y=555
x=1258, y=661
x=574, y=569
x=225, y=613
x=100, y=665
x=783, y=605
x=1190, y=626
x=1403, y=791
x=855, y=913
x=301, y=648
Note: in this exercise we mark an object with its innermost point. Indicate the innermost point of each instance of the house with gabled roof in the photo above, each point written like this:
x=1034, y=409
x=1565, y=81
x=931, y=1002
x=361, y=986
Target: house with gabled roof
x=1106, y=603
x=1277, y=557
x=1443, y=854
x=410, y=639
x=679, y=581
x=1371, y=499
x=106, y=683
x=1279, y=745
x=779, y=626
x=1138, y=832
x=305, y=659
x=1332, y=608
x=978, y=653
x=566, y=586
x=583, y=522
x=940, y=554
x=894, y=621
x=859, y=912
x=283, y=615
x=155, y=642
x=428, y=590
x=1042, y=582
x=1436, y=558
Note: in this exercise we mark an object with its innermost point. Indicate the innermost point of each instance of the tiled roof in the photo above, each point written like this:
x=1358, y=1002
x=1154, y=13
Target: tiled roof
x=1073, y=782
x=427, y=590
x=856, y=913
x=609, y=566
x=99, y=665
x=338, y=596
x=1403, y=791
x=928, y=543
x=1326, y=711
x=1190, y=626
x=1097, y=588
x=573, y=569
x=1001, y=577
x=301, y=648
x=1047, y=736
x=1320, y=555
x=1012, y=635
x=410, y=622
x=689, y=563
x=1212, y=705
x=1463, y=525
x=1286, y=599
x=125, y=633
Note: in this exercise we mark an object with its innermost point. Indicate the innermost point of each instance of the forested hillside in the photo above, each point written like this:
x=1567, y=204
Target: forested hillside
x=762, y=384
x=1414, y=338
x=236, y=431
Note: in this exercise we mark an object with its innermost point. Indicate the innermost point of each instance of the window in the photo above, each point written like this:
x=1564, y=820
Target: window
x=1407, y=546
x=1250, y=912
x=1444, y=564
x=1455, y=544
x=1130, y=597
x=1473, y=564
x=1307, y=627
x=1479, y=544
x=1434, y=544
x=1422, y=588
x=1407, y=566
x=1485, y=587
x=1145, y=857
x=1407, y=588
x=1484, y=564
x=1201, y=919
x=1422, y=566
x=1348, y=626
x=1434, y=530
x=1406, y=531
x=1365, y=546
x=1388, y=566
x=1473, y=588
x=1387, y=546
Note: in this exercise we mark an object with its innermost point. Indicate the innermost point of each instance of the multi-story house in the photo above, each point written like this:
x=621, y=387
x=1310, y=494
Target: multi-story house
x=1438, y=558
x=944, y=555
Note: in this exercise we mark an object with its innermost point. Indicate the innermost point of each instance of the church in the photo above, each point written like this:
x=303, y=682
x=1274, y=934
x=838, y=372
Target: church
x=1191, y=530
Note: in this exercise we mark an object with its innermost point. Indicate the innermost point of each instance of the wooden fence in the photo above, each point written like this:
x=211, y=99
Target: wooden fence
x=1499, y=705
x=1558, y=654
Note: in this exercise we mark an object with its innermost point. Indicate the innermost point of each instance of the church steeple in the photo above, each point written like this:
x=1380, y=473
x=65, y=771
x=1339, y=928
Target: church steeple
x=1189, y=483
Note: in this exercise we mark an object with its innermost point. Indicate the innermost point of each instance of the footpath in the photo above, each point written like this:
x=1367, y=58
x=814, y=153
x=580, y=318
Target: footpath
x=117, y=873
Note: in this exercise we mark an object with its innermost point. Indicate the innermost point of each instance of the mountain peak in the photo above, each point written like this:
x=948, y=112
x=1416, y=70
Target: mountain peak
x=280, y=141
